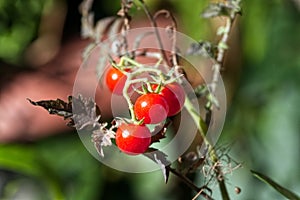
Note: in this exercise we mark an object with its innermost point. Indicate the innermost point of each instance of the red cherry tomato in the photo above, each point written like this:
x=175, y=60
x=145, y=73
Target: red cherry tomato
x=133, y=139
x=174, y=95
x=151, y=107
x=115, y=80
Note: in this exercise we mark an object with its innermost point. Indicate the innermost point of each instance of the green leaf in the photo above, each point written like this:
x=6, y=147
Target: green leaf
x=23, y=159
x=285, y=192
x=75, y=167
x=19, y=159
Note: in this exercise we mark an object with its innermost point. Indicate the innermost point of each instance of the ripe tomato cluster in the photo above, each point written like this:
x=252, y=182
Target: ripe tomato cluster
x=156, y=106
x=151, y=107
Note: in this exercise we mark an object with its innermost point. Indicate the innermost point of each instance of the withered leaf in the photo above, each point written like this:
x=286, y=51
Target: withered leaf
x=216, y=9
x=81, y=112
x=86, y=114
x=161, y=159
x=190, y=162
x=161, y=132
x=102, y=137
x=202, y=48
x=222, y=9
x=55, y=107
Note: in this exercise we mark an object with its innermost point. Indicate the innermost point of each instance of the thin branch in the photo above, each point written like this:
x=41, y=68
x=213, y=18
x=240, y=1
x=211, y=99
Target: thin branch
x=87, y=19
x=222, y=46
x=154, y=25
x=221, y=182
x=189, y=183
x=131, y=79
x=173, y=28
x=125, y=6
x=201, y=193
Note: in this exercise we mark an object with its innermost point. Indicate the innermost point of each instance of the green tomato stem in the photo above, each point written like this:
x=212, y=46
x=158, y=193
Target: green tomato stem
x=130, y=80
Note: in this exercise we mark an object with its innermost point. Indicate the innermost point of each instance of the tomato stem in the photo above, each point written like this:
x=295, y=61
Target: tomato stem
x=131, y=79
x=129, y=60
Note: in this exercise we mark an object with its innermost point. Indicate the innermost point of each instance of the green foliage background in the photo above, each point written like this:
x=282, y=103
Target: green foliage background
x=263, y=122
x=18, y=25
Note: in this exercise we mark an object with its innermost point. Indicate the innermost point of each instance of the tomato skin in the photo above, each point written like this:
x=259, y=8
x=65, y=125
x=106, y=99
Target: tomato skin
x=115, y=80
x=174, y=95
x=133, y=139
x=151, y=107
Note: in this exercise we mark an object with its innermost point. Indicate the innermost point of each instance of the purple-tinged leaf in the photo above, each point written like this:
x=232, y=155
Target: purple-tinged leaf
x=55, y=107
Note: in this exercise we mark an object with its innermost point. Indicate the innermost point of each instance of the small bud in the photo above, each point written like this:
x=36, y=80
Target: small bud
x=237, y=190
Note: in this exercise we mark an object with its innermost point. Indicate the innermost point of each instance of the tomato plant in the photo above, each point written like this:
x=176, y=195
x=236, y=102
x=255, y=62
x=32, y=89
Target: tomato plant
x=156, y=102
x=174, y=95
x=133, y=139
x=152, y=108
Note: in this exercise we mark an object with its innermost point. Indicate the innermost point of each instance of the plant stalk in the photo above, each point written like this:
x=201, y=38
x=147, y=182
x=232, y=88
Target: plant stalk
x=154, y=25
x=189, y=183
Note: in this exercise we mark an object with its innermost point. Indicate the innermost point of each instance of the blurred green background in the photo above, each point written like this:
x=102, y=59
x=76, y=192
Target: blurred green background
x=263, y=120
